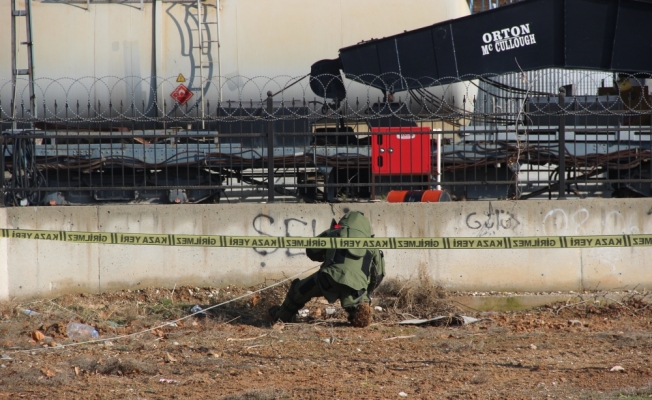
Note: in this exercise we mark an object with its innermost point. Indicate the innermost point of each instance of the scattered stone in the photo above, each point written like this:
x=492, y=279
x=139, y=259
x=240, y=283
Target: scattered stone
x=402, y=394
x=378, y=308
x=169, y=358
x=330, y=310
x=574, y=322
x=617, y=368
x=38, y=336
x=533, y=347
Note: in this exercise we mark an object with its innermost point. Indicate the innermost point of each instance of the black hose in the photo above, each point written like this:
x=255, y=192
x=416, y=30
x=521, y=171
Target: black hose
x=25, y=174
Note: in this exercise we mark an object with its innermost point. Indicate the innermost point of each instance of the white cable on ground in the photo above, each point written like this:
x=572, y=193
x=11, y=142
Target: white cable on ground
x=63, y=346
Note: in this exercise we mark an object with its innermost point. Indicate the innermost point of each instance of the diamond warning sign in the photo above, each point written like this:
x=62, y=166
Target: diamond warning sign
x=181, y=94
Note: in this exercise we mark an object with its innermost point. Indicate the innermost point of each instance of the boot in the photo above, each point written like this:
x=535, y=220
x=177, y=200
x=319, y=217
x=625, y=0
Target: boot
x=361, y=317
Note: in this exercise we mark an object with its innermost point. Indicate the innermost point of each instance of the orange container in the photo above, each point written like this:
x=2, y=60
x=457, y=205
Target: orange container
x=423, y=196
x=435, y=196
x=396, y=196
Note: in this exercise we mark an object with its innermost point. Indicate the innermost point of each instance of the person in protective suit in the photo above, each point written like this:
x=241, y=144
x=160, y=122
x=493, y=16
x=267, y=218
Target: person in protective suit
x=350, y=275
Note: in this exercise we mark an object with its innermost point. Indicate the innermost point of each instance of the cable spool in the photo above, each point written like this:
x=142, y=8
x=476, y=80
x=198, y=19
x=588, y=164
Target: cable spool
x=418, y=196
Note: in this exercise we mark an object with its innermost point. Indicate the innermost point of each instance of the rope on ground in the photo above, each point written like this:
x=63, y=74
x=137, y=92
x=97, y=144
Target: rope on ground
x=63, y=346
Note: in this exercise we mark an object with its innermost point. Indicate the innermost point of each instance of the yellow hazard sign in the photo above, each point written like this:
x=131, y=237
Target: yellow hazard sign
x=181, y=78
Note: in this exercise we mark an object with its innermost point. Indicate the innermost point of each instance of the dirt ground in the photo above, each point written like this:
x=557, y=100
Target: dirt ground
x=590, y=349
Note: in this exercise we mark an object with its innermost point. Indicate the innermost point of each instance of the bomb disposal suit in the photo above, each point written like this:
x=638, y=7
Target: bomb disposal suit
x=350, y=275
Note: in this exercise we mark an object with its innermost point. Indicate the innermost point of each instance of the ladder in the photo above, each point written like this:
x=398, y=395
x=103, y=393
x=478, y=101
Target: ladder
x=207, y=50
x=29, y=71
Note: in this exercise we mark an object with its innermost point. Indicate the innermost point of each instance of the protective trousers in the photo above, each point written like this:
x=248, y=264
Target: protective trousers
x=319, y=284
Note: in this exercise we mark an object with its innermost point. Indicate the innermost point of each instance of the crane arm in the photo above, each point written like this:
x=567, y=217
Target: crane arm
x=605, y=35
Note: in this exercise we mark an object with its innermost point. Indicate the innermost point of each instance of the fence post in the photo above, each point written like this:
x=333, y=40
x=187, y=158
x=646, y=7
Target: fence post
x=270, y=148
x=562, y=144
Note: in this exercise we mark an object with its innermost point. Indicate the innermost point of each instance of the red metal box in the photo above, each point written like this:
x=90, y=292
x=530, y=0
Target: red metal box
x=401, y=151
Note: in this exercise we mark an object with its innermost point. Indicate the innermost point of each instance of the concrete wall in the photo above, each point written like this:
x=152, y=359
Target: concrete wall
x=43, y=269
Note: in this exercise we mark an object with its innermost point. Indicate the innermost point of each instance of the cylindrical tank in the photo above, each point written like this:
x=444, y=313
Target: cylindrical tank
x=130, y=56
x=418, y=196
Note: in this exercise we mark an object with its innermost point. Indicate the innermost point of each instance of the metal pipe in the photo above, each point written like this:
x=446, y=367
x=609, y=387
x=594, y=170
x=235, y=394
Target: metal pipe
x=201, y=54
x=219, y=45
x=438, y=160
x=562, y=144
x=30, y=58
x=13, y=63
x=270, y=148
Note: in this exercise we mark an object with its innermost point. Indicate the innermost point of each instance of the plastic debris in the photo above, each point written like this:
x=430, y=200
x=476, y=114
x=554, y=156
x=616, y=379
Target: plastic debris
x=29, y=312
x=196, y=309
x=76, y=330
x=452, y=320
x=304, y=313
x=163, y=380
x=378, y=308
x=402, y=394
x=617, y=368
x=330, y=310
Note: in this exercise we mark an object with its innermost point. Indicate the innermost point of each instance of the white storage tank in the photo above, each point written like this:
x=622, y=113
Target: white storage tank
x=129, y=52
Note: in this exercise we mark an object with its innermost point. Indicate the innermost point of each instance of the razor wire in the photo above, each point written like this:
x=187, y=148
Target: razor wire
x=239, y=98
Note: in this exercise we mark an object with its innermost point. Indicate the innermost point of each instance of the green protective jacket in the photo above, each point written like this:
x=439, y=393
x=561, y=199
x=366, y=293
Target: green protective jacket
x=355, y=268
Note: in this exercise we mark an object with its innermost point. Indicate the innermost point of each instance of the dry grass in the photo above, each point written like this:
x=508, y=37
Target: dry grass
x=419, y=297
x=112, y=366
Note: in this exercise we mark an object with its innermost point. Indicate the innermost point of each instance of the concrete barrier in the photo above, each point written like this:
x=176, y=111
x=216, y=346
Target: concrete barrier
x=31, y=268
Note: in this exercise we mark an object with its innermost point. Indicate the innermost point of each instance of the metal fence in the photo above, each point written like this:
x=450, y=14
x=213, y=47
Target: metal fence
x=518, y=136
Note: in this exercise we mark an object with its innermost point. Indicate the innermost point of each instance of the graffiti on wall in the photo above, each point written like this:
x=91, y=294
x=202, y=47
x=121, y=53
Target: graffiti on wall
x=291, y=227
x=494, y=221
x=561, y=222
x=491, y=221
